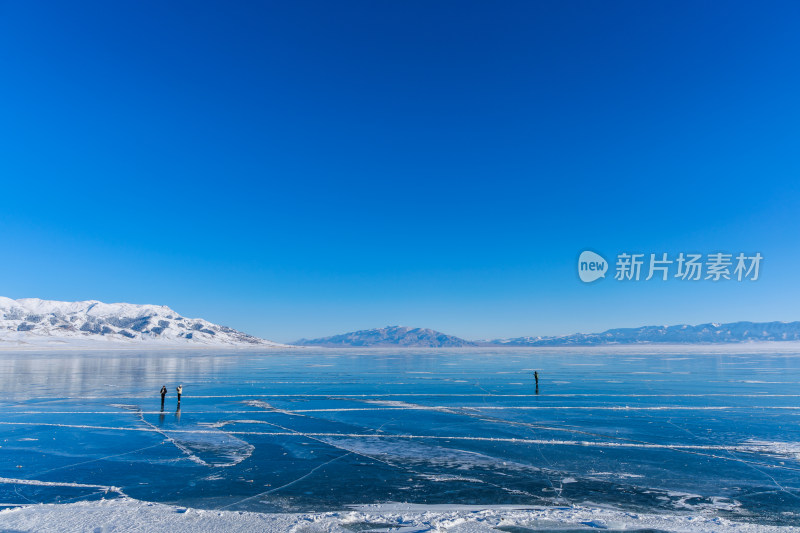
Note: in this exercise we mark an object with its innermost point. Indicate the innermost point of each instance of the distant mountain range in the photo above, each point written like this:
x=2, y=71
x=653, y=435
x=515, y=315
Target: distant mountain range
x=681, y=334
x=390, y=336
x=34, y=323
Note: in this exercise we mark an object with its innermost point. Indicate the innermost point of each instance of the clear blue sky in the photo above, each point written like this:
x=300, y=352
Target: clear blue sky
x=306, y=168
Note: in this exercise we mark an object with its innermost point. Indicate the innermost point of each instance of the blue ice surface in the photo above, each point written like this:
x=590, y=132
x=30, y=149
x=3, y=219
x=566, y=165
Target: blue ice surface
x=315, y=430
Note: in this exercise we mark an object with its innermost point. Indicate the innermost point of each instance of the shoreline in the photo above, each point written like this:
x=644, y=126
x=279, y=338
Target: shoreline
x=145, y=347
x=642, y=348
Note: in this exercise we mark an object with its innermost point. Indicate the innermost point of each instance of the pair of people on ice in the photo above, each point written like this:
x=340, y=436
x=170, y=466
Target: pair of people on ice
x=179, y=389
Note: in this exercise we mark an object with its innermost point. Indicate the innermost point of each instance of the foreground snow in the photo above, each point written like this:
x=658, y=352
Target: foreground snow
x=31, y=323
x=126, y=514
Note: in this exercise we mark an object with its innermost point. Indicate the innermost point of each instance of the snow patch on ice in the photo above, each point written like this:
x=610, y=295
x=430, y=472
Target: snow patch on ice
x=448, y=478
x=789, y=450
x=268, y=407
x=36, y=482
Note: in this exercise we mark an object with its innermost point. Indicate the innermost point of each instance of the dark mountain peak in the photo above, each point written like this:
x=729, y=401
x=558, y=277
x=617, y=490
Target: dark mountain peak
x=390, y=336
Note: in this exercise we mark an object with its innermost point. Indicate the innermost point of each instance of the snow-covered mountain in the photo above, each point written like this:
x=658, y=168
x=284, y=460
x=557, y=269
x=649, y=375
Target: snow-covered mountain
x=31, y=322
x=681, y=334
x=390, y=336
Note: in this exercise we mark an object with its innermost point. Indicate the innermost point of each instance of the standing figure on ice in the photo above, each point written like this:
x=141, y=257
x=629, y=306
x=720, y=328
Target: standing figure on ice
x=163, y=393
x=180, y=390
x=536, y=377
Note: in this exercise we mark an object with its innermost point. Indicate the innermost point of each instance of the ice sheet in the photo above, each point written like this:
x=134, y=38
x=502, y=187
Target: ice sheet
x=697, y=437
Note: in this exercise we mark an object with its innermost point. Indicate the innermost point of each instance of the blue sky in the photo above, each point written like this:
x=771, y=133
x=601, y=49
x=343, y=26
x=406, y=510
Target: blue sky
x=307, y=168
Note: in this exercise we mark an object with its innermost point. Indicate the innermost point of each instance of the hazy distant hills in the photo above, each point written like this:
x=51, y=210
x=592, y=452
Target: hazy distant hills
x=680, y=334
x=390, y=336
x=34, y=323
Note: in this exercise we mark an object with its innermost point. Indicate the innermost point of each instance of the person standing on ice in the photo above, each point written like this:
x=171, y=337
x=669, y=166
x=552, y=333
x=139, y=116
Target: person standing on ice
x=180, y=390
x=163, y=393
x=536, y=377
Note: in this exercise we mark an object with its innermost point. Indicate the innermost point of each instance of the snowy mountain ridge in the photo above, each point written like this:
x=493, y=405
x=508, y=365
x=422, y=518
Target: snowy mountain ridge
x=32, y=322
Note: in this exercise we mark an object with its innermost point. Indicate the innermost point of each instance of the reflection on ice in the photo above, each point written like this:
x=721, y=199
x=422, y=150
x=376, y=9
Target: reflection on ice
x=202, y=443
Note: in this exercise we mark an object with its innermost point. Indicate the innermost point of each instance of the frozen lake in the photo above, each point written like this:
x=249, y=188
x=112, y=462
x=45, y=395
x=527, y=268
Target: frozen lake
x=699, y=431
